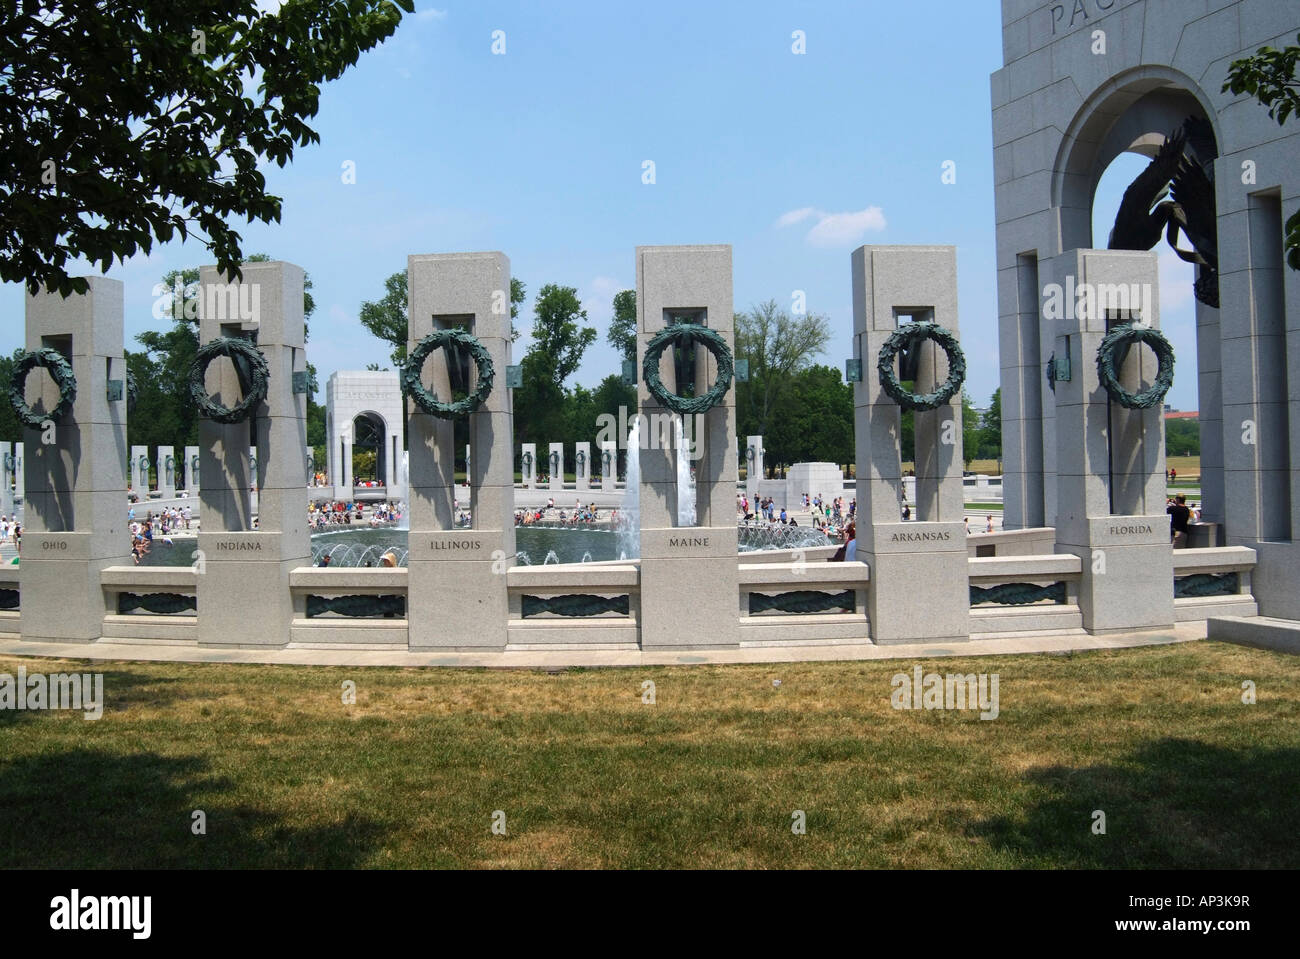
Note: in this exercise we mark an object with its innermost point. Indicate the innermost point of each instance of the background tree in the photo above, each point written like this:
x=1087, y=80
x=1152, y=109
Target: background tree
x=970, y=429
x=1182, y=437
x=991, y=428
x=777, y=347
x=812, y=421
x=386, y=318
x=121, y=125
x=559, y=342
x=1269, y=77
x=622, y=326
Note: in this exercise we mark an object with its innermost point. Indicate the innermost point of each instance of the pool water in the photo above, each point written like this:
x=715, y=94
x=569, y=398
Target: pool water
x=534, y=545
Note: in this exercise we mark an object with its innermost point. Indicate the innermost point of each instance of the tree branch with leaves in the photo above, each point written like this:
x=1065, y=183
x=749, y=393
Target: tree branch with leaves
x=125, y=124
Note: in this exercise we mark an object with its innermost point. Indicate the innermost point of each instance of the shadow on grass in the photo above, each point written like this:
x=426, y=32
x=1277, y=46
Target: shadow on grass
x=122, y=687
x=87, y=809
x=1173, y=803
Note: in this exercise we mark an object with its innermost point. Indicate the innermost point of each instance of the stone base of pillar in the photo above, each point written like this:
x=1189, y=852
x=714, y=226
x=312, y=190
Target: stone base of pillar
x=913, y=560
x=58, y=578
x=1128, y=572
x=243, y=589
x=456, y=590
x=690, y=588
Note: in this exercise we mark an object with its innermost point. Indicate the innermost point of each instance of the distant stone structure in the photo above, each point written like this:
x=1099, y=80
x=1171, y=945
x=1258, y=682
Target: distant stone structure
x=374, y=398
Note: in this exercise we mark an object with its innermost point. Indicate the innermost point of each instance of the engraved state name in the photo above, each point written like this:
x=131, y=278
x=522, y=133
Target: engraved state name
x=1123, y=530
x=688, y=541
x=920, y=537
x=456, y=544
x=236, y=545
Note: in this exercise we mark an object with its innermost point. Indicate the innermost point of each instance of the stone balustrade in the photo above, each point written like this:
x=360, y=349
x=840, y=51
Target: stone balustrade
x=150, y=603
x=1025, y=593
x=1214, y=582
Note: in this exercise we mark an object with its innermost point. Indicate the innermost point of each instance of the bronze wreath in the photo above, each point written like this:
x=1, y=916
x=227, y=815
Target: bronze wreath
x=426, y=401
x=60, y=371
x=1109, y=354
x=255, y=390
x=684, y=334
x=910, y=336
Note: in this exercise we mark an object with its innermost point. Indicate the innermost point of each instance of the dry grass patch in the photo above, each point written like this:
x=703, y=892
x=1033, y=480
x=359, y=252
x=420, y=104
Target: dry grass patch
x=588, y=776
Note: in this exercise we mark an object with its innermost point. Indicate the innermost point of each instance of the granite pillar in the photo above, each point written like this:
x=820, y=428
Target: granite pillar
x=457, y=577
x=243, y=590
x=74, y=514
x=893, y=284
x=689, y=580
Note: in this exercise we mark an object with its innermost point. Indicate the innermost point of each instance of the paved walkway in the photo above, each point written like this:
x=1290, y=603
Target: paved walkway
x=1007, y=644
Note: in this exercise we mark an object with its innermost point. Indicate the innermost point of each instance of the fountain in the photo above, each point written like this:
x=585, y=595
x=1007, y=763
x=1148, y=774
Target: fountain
x=685, y=488
x=628, y=527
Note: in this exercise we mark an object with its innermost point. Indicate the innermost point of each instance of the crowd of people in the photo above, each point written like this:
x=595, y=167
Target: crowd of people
x=832, y=516
x=145, y=532
x=343, y=513
x=580, y=515
x=10, y=529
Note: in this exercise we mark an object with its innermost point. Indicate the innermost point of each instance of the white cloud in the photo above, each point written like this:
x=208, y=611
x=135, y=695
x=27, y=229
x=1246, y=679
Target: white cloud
x=794, y=216
x=836, y=229
x=431, y=14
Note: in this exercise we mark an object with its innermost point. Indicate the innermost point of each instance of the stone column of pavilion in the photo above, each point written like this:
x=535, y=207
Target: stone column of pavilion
x=555, y=469
x=243, y=584
x=457, y=596
x=1110, y=461
x=192, y=471
x=75, y=504
x=6, y=479
x=20, y=478
x=582, y=466
x=928, y=554
x=166, y=471
x=139, y=471
x=754, y=462
x=608, y=465
x=528, y=464
x=689, y=578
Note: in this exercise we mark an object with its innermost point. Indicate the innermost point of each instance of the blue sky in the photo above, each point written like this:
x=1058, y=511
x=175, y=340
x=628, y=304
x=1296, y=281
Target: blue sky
x=794, y=160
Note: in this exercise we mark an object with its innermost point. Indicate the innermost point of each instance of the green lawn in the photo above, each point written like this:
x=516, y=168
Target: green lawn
x=589, y=776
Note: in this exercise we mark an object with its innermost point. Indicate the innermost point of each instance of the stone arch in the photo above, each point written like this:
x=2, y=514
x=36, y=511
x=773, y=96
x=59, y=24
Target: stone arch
x=378, y=434
x=1130, y=112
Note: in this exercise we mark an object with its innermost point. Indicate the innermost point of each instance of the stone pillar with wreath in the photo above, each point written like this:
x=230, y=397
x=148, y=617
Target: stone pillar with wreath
x=582, y=466
x=1110, y=370
x=249, y=382
x=685, y=348
x=457, y=354
x=909, y=359
x=609, y=464
x=68, y=390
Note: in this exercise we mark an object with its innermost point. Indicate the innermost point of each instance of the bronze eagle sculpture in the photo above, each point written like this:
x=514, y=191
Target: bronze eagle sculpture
x=1174, y=194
